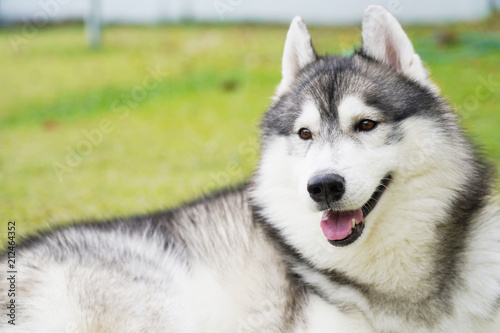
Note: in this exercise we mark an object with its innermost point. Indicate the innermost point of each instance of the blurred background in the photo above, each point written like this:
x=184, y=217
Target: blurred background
x=111, y=108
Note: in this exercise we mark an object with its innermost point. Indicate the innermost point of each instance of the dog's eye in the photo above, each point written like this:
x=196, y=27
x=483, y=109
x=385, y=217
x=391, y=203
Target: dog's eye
x=305, y=134
x=366, y=125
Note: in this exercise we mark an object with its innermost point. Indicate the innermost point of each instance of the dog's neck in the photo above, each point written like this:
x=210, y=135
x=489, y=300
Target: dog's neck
x=404, y=301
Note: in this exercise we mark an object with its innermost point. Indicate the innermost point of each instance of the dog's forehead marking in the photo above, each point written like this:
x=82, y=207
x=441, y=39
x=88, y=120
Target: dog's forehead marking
x=309, y=118
x=352, y=108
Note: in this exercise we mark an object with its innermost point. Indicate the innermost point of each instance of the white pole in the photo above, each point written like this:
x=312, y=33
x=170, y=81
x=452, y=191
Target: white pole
x=93, y=24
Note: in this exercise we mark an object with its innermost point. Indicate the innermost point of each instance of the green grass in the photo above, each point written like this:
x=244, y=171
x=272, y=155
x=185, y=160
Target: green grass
x=194, y=129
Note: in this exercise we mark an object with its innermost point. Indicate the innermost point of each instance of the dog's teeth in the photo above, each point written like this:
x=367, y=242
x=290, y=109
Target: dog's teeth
x=353, y=223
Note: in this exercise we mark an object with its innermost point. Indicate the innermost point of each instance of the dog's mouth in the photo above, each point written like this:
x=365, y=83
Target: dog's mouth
x=342, y=228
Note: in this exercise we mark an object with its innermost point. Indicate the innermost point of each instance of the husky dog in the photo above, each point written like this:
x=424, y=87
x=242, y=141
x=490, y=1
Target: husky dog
x=370, y=211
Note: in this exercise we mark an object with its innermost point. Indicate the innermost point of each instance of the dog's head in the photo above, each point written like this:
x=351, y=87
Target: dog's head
x=346, y=132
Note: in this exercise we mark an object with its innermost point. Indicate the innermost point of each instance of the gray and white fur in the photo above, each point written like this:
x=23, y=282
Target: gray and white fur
x=423, y=257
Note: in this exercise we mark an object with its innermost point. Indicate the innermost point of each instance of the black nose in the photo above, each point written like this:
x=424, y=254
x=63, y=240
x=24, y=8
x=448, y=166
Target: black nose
x=326, y=188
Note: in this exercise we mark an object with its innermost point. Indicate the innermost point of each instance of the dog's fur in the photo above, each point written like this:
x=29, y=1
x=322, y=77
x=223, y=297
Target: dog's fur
x=255, y=259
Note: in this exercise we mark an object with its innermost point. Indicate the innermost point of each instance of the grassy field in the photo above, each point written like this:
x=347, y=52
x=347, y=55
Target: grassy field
x=162, y=114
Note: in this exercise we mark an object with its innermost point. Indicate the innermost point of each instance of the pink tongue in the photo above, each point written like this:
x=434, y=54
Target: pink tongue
x=338, y=225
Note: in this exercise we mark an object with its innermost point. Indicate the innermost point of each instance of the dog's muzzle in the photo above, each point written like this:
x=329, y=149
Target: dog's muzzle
x=340, y=227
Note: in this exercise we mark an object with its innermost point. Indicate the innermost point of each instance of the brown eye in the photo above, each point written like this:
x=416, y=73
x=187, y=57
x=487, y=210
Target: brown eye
x=305, y=134
x=366, y=125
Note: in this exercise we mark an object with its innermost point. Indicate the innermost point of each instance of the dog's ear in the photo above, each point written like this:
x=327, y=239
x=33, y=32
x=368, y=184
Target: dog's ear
x=298, y=53
x=385, y=40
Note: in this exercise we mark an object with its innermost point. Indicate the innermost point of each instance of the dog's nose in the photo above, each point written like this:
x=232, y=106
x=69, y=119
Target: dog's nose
x=326, y=188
